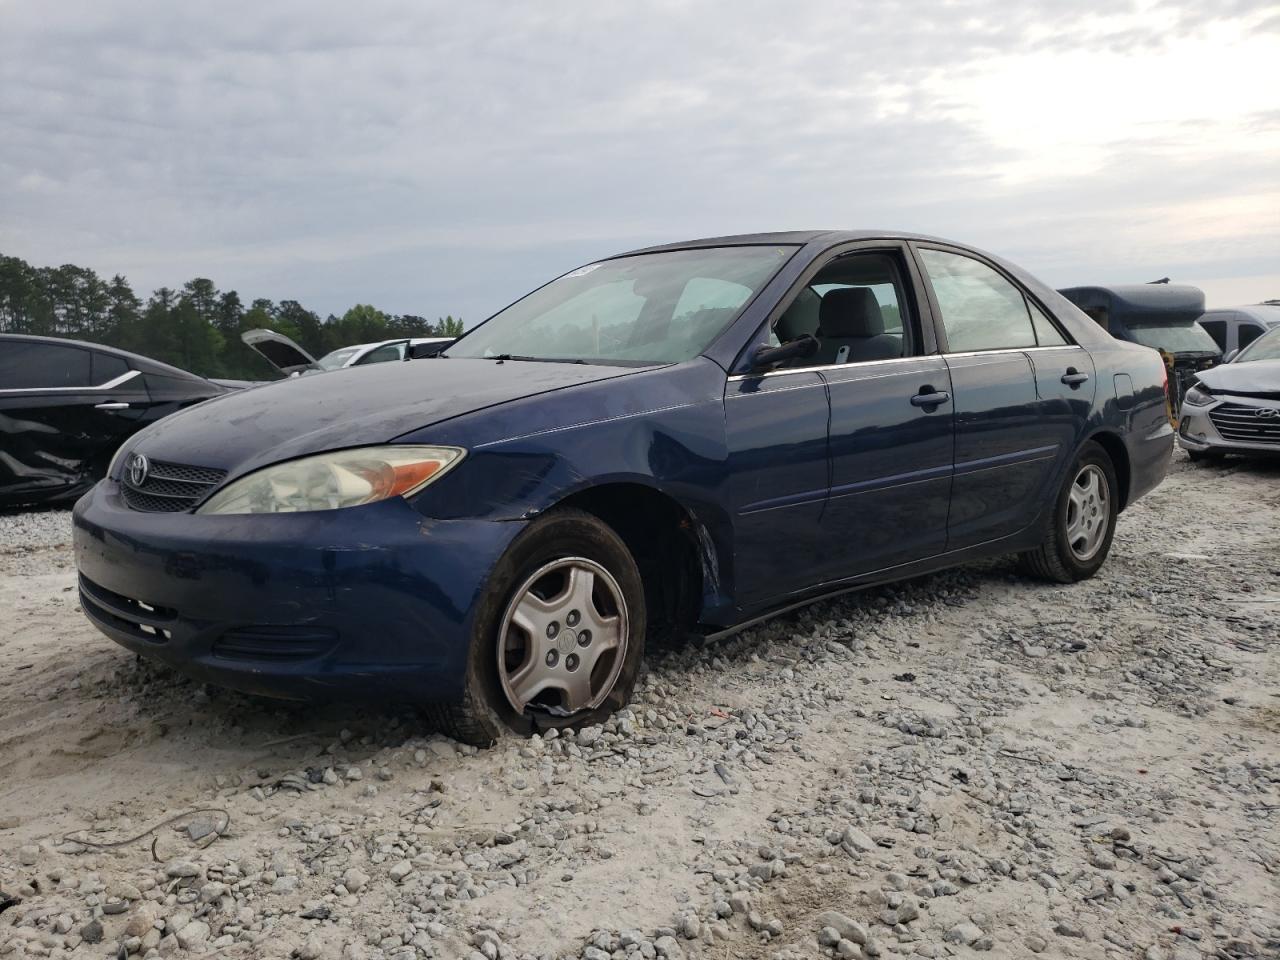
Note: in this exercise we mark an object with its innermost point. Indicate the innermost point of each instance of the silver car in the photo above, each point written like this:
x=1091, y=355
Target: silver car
x=1235, y=407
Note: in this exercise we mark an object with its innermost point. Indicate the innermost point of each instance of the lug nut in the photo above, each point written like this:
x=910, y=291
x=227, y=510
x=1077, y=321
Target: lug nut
x=553, y=628
x=584, y=637
x=571, y=662
x=552, y=658
x=573, y=618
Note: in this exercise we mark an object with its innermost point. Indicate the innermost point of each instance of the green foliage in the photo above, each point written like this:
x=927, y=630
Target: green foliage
x=197, y=328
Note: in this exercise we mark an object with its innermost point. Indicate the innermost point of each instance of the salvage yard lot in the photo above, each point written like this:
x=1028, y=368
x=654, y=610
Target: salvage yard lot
x=970, y=761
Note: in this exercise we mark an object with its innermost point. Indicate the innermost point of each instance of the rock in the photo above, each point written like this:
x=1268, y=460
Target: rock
x=847, y=928
x=181, y=869
x=828, y=937
x=690, y=927
x=1036, y=943
x=28, y=855
x=1064, y=928
x=855, y=838
x=194, y=933
x=91, y=932
x=355, y=879
x=963, y=933
x=400, y=870
x=588, y=736
x=668, y=947
x=848, y=950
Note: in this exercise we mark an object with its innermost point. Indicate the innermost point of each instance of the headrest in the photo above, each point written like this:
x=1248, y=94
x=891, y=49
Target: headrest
x=850, y=312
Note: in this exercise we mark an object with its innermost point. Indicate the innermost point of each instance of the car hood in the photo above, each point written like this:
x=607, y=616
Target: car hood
x=247, y=429
x=279, y=351
x=1252, y=376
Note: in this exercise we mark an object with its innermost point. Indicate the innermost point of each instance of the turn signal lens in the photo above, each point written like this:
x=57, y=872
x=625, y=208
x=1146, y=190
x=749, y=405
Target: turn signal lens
x=331, y=481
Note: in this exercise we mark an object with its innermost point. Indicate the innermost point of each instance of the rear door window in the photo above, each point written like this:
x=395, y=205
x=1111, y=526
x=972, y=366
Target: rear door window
x=1047, y=334
x=1218, y=330
x=981, y=310
x=37, y=366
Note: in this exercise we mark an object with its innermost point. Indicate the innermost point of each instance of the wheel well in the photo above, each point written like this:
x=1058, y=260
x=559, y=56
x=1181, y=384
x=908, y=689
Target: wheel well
x=1115, y=449
x=661, y=536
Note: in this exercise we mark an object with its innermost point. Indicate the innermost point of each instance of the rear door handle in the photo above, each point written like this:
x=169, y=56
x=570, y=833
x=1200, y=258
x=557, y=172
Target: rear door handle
x=930, y=399
x=1073, y=377
x=111, y=405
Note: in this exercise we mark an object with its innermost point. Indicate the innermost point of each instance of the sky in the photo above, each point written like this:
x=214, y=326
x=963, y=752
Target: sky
x=444, y=158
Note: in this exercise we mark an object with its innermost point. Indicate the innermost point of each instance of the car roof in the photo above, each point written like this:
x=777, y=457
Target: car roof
x=790, y=237
x=139, y=362
x=1265, y=313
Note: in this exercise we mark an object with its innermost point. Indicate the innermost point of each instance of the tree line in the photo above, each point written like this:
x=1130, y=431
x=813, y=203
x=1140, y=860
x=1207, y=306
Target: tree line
x=196, y=327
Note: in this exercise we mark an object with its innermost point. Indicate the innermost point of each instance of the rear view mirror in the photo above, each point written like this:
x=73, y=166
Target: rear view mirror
x=766, y=357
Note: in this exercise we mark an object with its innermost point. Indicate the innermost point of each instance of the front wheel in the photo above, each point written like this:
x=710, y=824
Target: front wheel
x=559, y=632
x=1078, y=532
x=1204, y=456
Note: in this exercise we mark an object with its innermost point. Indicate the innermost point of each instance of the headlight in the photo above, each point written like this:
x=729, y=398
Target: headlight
x=1198, y=398
x=329, y=481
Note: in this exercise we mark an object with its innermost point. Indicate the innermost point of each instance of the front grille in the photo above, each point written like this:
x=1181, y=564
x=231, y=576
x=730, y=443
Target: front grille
x=274, y=643
x=1237, y=421
x=171, y=487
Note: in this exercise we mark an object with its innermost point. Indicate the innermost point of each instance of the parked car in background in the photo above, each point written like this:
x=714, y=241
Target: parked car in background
x=66, y=406
x=683, y=438
x=1235, y=407
x=1157, y=315
x=1234, y=328
x=285, y=355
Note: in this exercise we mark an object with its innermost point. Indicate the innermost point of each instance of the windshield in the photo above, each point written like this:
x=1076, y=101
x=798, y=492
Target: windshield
x=1266, y=347
x=649, y=308
x=1174, y=337
x=335, y=359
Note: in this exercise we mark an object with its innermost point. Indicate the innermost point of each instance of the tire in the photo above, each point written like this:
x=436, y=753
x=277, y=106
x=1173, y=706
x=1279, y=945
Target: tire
x=560, y=545
x=1067, y=553
x=1204, y=456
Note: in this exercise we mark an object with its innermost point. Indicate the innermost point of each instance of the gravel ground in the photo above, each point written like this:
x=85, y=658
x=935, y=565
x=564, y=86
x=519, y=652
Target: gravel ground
x=967, y=762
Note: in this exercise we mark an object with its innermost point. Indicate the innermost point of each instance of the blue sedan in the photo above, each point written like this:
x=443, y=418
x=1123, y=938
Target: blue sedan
x=686, y=438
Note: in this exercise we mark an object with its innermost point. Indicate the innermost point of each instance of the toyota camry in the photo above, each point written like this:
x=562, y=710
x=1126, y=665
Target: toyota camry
x=682, y=439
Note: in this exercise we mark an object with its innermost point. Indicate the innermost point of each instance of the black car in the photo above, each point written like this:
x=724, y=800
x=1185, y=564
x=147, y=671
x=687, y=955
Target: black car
x=66, y=406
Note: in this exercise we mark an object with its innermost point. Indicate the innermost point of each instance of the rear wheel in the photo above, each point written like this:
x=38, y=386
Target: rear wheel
x=559, y=633
x=1078, y=532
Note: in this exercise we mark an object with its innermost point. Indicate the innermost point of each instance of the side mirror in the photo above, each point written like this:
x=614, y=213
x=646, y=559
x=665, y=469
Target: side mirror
x=765, y=357
x=1230, y=356
x=420, y=351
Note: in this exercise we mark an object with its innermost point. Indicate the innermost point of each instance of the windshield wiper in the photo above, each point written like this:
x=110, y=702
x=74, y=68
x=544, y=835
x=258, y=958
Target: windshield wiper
x=516, y=356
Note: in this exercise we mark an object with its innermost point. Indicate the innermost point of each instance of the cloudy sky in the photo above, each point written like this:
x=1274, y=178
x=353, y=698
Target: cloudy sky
x=437, y=158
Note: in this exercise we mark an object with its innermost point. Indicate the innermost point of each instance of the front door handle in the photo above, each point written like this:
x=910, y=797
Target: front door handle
x=1073, y=377
x=930, y=399
x=111, y=405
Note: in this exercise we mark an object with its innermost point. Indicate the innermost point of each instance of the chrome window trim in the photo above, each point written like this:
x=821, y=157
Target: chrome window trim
x=923, y=356
x=109, y=385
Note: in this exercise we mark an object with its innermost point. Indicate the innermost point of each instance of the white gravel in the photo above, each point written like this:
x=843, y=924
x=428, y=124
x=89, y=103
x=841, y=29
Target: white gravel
x=968, y=762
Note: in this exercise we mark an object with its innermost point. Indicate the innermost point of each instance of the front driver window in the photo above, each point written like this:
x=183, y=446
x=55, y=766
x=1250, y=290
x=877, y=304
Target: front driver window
x=855, y=307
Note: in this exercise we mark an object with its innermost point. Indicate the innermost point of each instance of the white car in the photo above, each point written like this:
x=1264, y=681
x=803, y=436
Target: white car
x=1234, y=328
x=286, y=356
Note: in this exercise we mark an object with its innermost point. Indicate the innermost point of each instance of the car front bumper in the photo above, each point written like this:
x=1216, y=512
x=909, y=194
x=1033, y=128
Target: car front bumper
x=1231, y=425
x=370, y=603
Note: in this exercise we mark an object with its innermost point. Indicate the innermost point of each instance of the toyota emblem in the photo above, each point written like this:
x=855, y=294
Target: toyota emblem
x=138, y=469
x=1267, y=413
